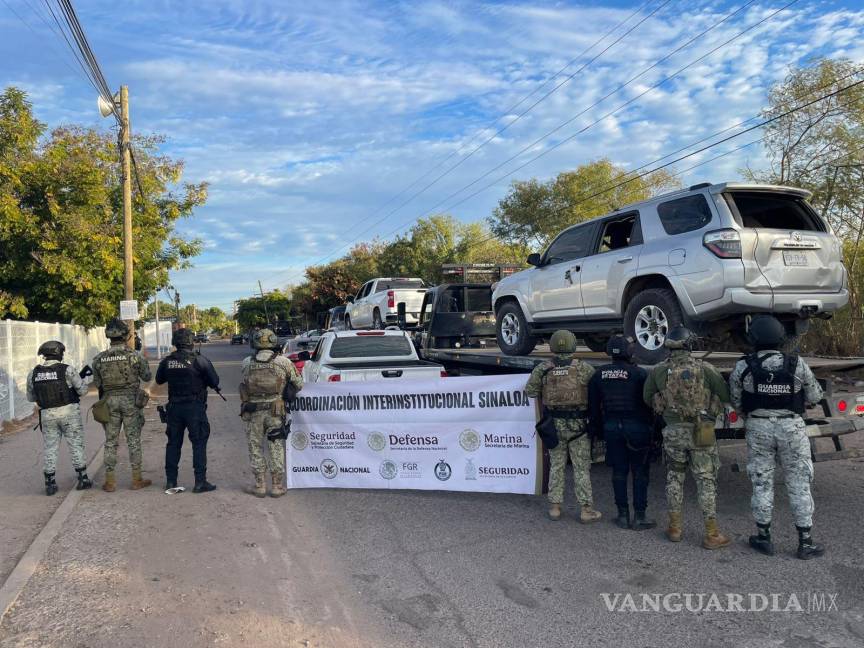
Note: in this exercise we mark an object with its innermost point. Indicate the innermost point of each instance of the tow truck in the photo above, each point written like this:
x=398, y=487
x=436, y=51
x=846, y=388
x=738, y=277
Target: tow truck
x=457, y=330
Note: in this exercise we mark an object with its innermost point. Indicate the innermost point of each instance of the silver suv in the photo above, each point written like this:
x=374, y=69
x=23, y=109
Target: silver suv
x=708, y=257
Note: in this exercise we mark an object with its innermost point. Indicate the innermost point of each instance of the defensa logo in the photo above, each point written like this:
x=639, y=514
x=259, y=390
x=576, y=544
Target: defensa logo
x=469, y=440
x=388, y=469
x=376, y=441
x=299, y=440
x=409, y=440
x=329, y=469
x=443, y=471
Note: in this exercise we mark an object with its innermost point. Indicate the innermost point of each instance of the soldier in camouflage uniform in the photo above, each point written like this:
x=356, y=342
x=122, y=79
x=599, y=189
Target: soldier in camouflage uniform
x=268, y=381
x=686, y=392
x=57, y=388
x=562, y=384
x=773, y=390
x=118, y=373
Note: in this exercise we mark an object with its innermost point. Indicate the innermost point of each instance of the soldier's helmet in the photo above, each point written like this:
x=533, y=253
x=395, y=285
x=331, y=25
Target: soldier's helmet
x=562, y=342
x=116, y=329
x=53, y=349
x=619, y=347
x=264, y=339
x=679, y=337
x=183, y=339
x=766, y=332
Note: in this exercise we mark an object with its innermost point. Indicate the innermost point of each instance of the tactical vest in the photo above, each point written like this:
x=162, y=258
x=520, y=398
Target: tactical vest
x=265, y=379
x=621, y=390
x=773, y=389
x=51, y=388
x=685, y=393
x=185, y=382
x=117, y=369
x=566, y=386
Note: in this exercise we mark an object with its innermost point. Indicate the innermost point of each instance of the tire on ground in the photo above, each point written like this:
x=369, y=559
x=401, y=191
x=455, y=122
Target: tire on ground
x=510, y=315
x=661, y=300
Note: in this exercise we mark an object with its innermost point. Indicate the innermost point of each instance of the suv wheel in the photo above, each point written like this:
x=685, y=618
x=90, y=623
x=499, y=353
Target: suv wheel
x=649, y=317
x=512, y=331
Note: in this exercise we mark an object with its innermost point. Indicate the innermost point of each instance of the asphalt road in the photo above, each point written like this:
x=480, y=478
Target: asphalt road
x=384, y=568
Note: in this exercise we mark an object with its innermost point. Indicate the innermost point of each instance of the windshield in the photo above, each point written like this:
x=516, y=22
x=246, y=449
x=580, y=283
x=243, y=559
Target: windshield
x=399, y=284
x=375, y=346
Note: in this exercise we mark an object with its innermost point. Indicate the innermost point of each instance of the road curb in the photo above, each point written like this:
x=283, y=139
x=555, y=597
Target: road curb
x=29, y=562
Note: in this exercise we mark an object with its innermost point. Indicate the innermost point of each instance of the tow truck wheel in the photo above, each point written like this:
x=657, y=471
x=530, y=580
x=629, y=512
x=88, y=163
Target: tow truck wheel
x=512, y=331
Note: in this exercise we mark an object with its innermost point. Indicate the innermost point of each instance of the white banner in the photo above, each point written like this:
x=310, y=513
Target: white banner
x=460, y=434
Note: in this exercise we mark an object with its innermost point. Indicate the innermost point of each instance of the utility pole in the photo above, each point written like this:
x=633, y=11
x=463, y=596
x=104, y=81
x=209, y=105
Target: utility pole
x=158, y=331
x=127, y=205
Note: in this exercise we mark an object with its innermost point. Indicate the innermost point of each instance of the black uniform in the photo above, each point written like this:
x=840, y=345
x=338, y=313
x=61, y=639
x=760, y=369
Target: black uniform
x=617, y=411
x=188, y=376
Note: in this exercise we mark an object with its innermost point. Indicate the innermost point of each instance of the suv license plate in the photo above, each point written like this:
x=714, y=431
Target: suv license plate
x=794, y=258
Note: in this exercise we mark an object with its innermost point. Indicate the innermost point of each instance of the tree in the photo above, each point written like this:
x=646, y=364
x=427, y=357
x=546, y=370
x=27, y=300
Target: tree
x=266, y=311
x=61, y=219
x=821, y=148
x=533, y=212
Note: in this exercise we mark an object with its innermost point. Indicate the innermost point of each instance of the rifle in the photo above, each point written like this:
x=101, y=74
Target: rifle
x=218, y=390
x=39, y=424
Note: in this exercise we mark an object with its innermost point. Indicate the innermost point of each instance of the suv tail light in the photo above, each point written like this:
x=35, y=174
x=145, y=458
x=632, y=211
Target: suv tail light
x=391, y=299
x=443, y=373
x=725, y=243
x=334, y=378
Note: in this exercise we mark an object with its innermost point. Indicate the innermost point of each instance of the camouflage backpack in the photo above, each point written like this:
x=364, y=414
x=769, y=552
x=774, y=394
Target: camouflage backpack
x=685, y=393
x=566, y=386
x=265, y=380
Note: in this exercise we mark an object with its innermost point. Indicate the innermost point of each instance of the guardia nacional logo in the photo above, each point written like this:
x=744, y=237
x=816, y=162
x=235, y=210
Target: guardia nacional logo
x=388, y=469
x=329, y=469
x=376, y=441
x=469, y=440
x=299, y=440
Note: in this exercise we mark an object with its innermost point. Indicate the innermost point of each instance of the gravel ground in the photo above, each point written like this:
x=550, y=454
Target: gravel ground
x=376, y=568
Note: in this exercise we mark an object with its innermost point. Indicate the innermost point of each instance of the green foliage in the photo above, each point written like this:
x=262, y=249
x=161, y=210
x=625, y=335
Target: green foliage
x=255, y=310
x=533, y=212
x=61, y=219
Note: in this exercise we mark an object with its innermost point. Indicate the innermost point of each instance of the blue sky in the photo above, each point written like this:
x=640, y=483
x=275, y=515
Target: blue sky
x=307, y=117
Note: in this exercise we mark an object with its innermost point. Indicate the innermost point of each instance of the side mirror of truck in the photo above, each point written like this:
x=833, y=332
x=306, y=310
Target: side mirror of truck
x=534, y=259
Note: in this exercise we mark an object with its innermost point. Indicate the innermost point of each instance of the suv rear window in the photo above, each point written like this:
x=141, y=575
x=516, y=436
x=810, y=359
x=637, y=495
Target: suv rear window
x=685, y=214
x=772, y=211
x=371, y=346
x=399, y=284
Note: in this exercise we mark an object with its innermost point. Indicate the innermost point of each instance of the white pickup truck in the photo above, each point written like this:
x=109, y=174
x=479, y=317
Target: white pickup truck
x=366, y=355
x=376, y=303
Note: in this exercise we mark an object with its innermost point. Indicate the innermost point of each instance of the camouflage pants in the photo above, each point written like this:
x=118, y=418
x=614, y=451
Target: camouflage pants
x=123, y=414
x=786, y=440
x=68, y=426
x=704, y=463
x=579, y=450
x=257, y=426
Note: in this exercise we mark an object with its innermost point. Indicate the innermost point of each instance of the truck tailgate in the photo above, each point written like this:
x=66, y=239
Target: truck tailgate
x=409, y=370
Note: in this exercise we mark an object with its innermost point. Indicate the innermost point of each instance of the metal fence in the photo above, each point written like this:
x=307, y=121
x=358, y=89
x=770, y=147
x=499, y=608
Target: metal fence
x=19, y=342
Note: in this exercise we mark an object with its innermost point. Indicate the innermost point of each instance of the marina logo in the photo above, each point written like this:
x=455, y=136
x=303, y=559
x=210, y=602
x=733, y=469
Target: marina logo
x=299, y=440
x=469, y=440
x=388, y=469
x=376, y=441
x=329, y=469
x=443, y=471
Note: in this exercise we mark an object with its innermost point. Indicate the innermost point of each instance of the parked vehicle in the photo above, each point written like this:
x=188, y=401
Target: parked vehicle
x=375, y=304
x=708, y=256
x=366, y=355
x=238, y=339
x=455, y=316
x=335, y=319
x=201, y=338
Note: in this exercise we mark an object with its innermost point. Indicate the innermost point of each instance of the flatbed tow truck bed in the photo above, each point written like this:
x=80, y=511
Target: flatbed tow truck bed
x=842, y=409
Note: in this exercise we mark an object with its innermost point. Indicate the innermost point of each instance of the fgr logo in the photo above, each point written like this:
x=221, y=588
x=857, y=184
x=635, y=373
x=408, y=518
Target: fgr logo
x=329, y=469
x=443, y=471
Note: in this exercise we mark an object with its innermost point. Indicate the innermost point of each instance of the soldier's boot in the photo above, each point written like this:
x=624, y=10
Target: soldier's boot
x=277, y=490
x=623, y=519
x=589, y=515
x=554, y=512
x=673, y=531
x=641, y=522
x=139, y=482
x=713, y=538
x=260, y=489
x=50, y=484
x=762, y=541
x=808, y=549
x=203, y=486
x=84, y=482
x=110, y=484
